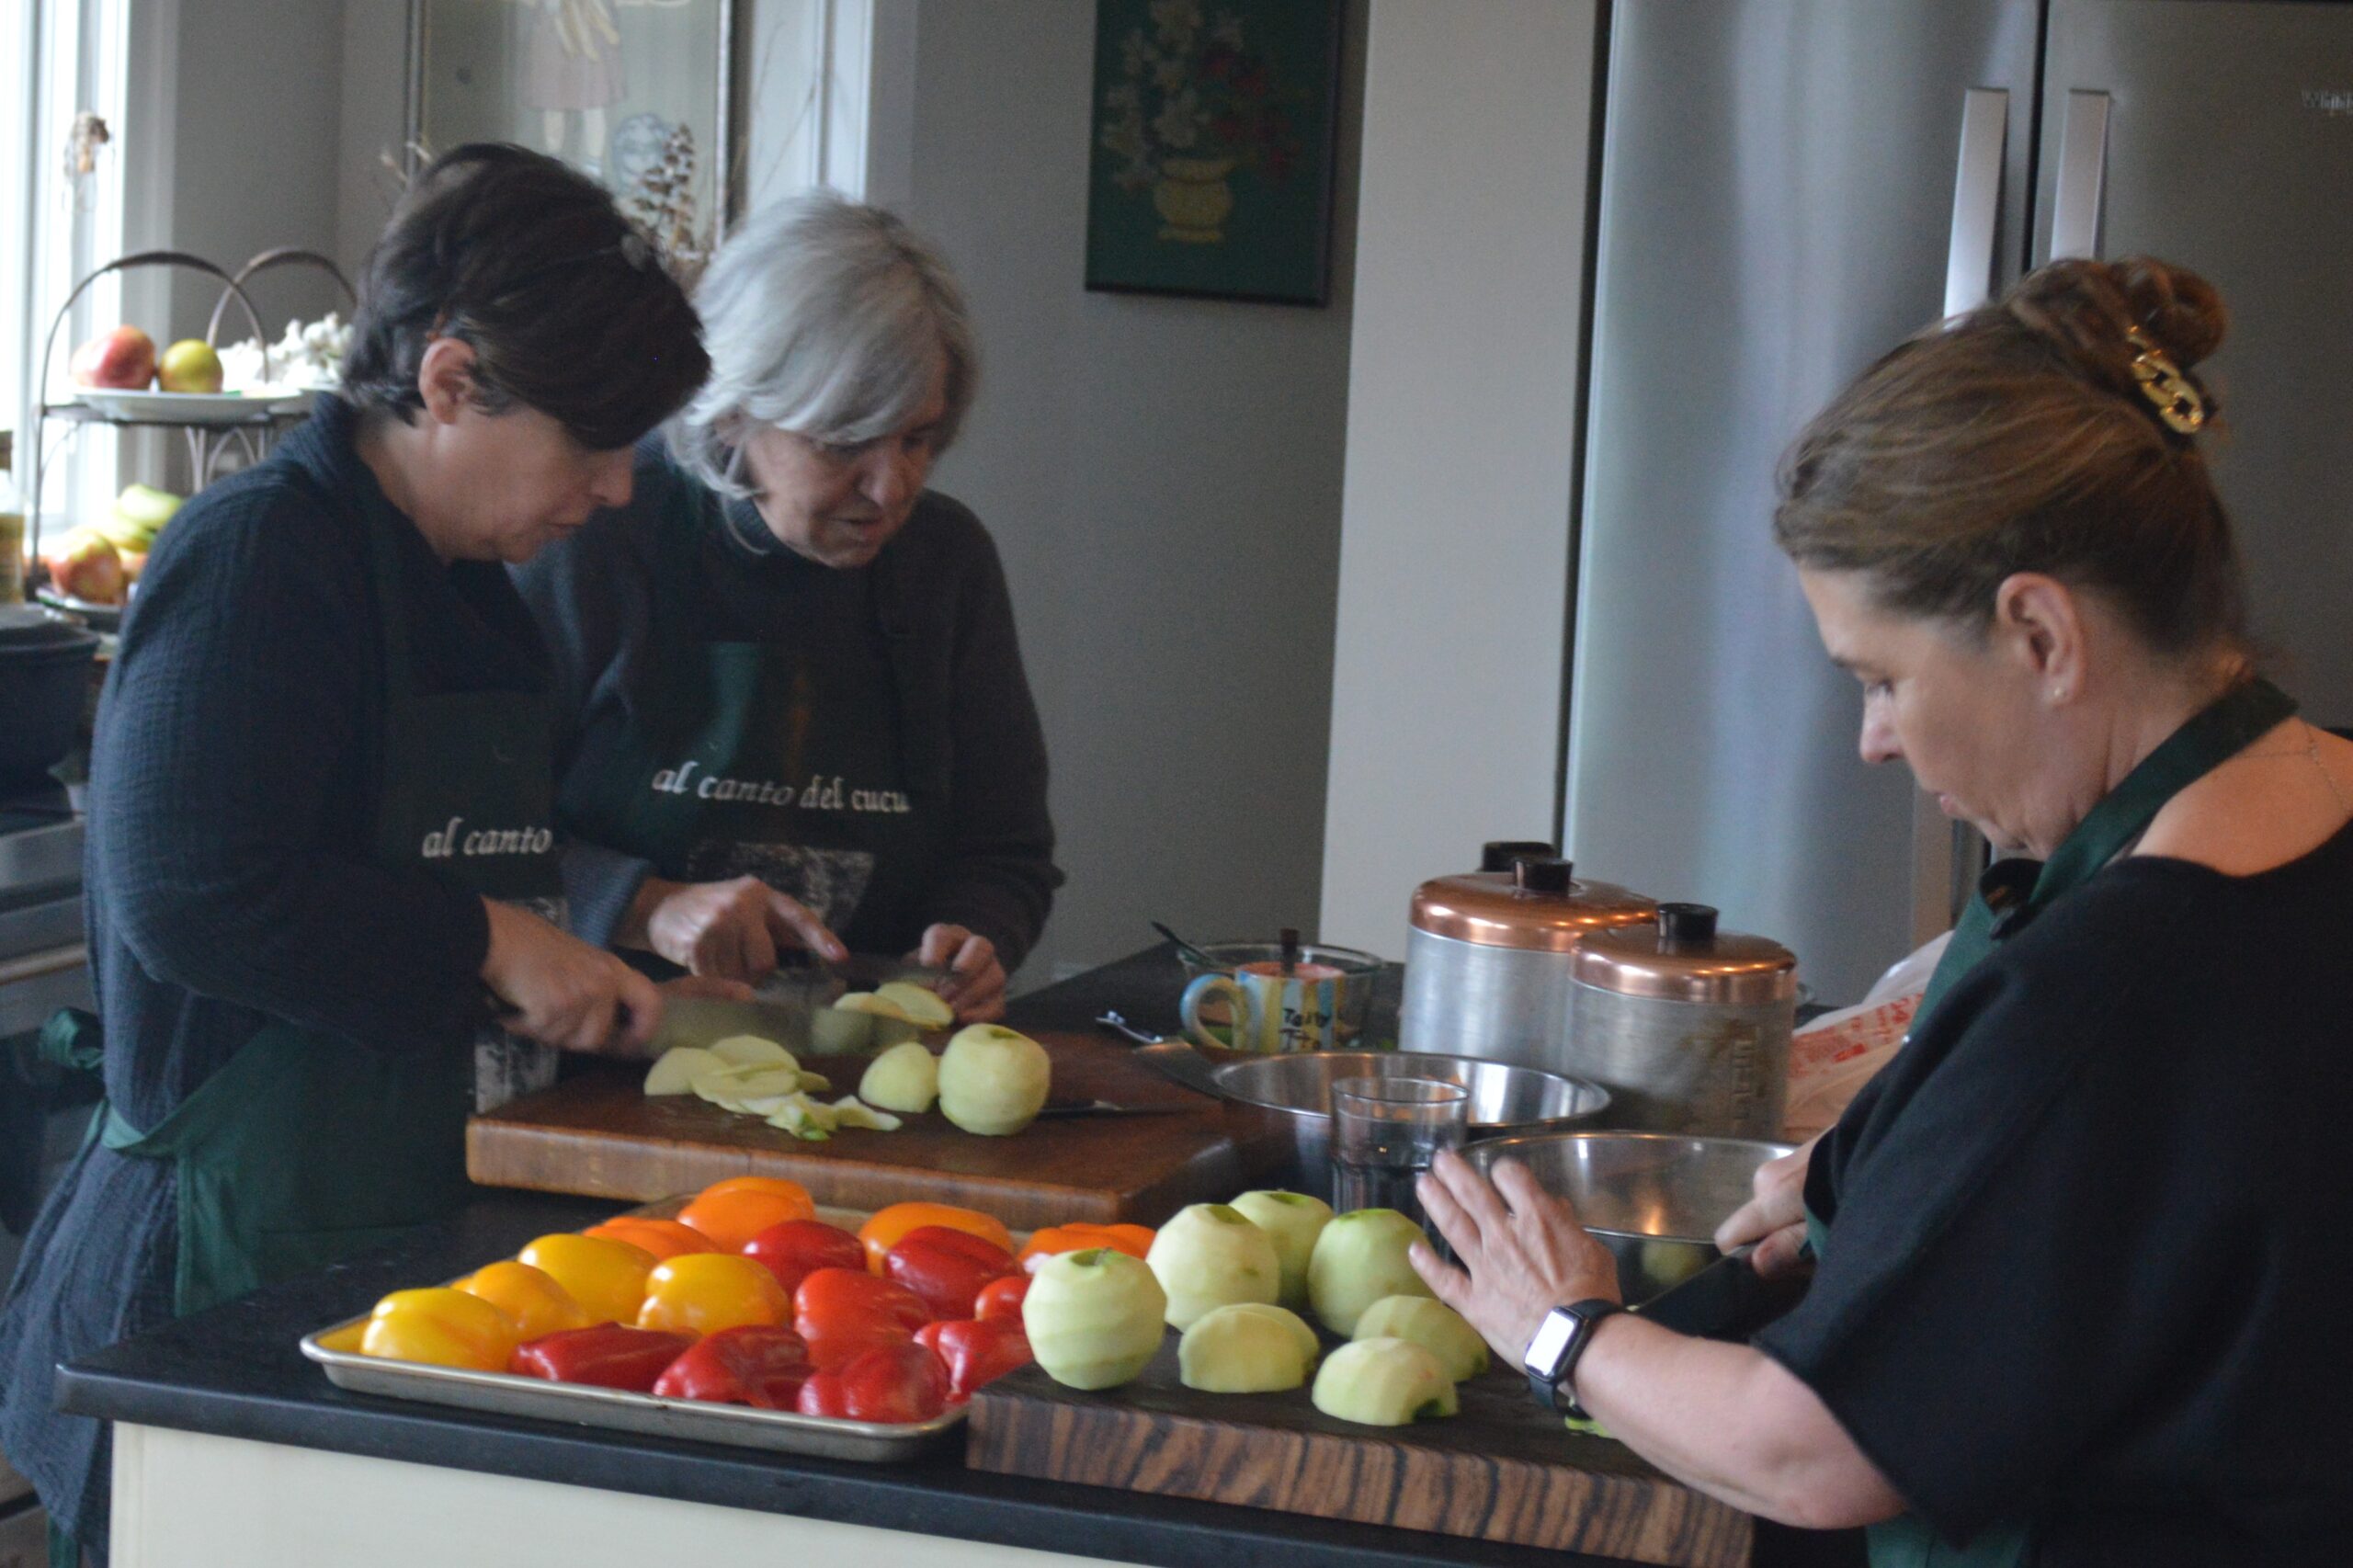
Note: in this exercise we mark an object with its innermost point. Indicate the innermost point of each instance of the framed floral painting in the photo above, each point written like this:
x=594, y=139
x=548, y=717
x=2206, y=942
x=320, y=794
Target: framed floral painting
x=632, y=92
x=1213, y=132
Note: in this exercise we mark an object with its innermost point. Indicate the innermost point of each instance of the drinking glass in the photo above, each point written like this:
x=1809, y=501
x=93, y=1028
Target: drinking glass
x=1385, y=1132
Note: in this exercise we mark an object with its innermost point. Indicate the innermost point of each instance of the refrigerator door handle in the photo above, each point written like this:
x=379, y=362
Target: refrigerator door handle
x=1976, y=199
x=1941, y=870
x=2083, y=177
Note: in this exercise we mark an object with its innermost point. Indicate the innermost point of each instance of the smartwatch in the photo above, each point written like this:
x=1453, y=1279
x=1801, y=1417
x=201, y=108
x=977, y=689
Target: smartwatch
x=1553, y=1354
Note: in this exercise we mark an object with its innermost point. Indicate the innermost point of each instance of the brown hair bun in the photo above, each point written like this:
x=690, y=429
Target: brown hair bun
x=2015, y=438
x=2086, y=307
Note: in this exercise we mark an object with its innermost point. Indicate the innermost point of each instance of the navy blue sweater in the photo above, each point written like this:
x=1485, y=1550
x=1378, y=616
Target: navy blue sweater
x=228, y=878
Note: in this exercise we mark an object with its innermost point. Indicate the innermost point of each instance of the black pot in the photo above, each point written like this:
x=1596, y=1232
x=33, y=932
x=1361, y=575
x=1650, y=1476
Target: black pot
x=45, y=662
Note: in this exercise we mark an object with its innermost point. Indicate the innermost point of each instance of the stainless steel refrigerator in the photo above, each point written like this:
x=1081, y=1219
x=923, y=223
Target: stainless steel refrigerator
x=1788, y=188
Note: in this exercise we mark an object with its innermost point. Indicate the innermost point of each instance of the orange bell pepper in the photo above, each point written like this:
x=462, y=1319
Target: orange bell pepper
x=442, y=1327
x=663, y=1238
x=1133, y=1240
x=732, y=1214
x=889, y=1227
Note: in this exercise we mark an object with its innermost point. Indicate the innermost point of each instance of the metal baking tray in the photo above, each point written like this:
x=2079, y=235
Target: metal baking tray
x=581, y=1404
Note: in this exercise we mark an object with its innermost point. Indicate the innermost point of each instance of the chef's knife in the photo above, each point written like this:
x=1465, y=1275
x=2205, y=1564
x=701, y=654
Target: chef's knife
x=1725, y=1300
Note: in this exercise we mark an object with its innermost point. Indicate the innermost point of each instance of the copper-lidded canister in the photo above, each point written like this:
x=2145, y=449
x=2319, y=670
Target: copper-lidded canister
x=1487, y=960
x=1687, y=1027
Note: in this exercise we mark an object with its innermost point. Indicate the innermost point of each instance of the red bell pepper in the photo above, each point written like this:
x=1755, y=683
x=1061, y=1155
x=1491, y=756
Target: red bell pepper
x=610, y=1354
x=896, y=1382
x=946, y=1268
x=975, y=1352
x=843, y=1312
x=798, y=1248
x=1002, y=1297
x=749, y=1364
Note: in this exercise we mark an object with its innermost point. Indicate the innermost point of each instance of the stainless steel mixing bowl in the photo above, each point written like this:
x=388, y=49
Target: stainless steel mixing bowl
x=1654, y=1198
x=1505, y=1099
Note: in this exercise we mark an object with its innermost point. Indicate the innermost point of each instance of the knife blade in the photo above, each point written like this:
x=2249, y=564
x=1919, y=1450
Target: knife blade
x=1726, y=1299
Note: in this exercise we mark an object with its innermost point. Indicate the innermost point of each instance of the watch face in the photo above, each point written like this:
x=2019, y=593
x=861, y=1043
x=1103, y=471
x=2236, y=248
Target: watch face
x=1552, y=1342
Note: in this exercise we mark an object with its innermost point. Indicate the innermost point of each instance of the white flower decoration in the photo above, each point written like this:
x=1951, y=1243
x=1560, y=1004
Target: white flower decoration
x=1178, y=124
x=1178, y=22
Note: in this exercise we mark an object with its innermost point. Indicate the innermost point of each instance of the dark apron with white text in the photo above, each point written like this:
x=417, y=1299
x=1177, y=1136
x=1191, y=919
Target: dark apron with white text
x=307, y=1147
x=775, y=762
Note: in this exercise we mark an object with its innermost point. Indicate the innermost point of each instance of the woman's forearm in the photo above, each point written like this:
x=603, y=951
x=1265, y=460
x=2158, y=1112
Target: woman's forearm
x=1731, y=1422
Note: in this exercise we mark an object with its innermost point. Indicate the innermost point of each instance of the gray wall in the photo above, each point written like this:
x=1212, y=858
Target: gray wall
x=258, y=119
x=1462, y=412
x=1164, y=478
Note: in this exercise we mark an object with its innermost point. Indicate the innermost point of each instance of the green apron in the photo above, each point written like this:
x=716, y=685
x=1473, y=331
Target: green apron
x=307, y=1147
x=2212, y=737
x=772, y=761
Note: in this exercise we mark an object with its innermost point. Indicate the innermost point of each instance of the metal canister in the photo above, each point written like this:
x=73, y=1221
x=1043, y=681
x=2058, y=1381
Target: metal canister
x=1487, y=962
x=1687, y=1027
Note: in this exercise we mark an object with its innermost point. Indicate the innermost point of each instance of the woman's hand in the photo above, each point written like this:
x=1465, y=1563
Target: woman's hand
x=558, y=991
x=1775, y=1218
x=1516, y=1263
x=975, y=983
x=731, y=930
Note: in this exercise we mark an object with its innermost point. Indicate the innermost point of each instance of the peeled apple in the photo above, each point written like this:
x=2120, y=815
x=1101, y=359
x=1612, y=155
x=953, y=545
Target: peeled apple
x=1093, y=1318
x=1244, y=1349
x=888, y=1023
x=993, y=1080
x=1292, y=1220
x=919, y=1005
x=1432, y=1325
x=1359, y=1258
x=1294, y=1325
x=1209, y=1256
x=674, y=1073
x=1383, y=1383
x=903, y=1078
x=752, y=1051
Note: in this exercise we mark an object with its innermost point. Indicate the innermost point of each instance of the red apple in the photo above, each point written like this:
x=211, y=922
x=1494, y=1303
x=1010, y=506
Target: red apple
x=86, y=566
x=123, y=359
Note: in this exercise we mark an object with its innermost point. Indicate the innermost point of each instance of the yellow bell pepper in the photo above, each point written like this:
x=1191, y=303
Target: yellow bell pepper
x=442, y=1327
x=530, y=1296
x=607, y=1278
x=706, y=1292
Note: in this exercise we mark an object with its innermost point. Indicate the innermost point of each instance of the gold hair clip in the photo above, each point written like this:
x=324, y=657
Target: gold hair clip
x=2176, y=398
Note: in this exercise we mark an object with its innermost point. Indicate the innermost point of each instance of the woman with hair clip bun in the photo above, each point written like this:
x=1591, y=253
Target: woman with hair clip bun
x=322, y=893
x=2074, y=1251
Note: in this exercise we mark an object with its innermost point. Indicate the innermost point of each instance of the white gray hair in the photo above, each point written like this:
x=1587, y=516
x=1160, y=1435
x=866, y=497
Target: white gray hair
x=822, y=316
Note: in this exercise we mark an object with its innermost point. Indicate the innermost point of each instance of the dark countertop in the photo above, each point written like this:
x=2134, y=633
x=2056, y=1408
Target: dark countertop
x=235, y=1372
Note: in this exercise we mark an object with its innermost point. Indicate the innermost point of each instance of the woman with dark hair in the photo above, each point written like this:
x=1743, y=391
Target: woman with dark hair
x=796, y=715
x=2075, y=1293
x=320, y=809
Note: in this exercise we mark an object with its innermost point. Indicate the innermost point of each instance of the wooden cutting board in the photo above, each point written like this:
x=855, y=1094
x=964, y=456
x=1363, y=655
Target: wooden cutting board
x=1502, y=1470
x=598, y=1135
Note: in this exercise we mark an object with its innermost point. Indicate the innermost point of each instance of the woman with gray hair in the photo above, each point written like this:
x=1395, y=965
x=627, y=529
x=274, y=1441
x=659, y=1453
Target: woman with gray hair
x=798, y=717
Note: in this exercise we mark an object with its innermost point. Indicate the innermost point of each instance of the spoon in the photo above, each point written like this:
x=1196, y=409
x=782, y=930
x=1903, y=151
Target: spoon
x=1176, y=1060
x=1185, y=947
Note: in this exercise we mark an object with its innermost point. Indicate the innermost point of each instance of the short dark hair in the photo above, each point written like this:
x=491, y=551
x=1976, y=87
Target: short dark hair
x=2016, y=437
x=567, y=308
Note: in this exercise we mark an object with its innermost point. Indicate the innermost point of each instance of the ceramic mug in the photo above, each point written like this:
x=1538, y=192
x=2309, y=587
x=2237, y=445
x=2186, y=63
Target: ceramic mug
x=1267, y=1011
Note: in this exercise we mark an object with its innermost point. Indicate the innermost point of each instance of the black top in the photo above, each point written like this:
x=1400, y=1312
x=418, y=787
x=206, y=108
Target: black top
x=2085, y=1231
x=228, y=878
x=933, y=610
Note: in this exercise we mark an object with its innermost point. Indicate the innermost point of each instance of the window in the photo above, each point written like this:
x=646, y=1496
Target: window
x=56, y=62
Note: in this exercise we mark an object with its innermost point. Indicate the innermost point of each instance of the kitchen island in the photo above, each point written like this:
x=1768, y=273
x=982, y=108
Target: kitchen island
x=232, y=1448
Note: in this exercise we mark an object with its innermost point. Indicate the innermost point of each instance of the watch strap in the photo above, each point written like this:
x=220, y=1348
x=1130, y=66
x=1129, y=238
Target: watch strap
x=1551, y=1383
